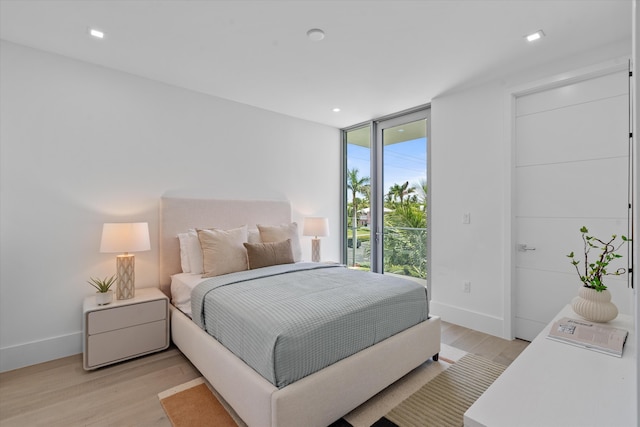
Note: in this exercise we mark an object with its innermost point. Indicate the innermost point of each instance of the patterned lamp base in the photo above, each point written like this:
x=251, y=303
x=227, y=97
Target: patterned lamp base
x=315, y=250
x=125, y=265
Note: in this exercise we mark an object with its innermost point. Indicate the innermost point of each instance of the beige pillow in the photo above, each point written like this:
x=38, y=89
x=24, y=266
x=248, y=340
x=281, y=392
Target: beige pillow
x=278, y=233
x=253, y=236
x=223, y=251
x=266, y=254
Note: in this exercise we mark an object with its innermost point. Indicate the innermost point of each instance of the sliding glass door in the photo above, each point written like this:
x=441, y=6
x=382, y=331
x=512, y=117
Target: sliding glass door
x=387, y=198
x=404, y=196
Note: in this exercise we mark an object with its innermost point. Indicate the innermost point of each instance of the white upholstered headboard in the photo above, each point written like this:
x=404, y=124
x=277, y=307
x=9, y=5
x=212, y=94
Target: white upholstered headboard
x=177, y=215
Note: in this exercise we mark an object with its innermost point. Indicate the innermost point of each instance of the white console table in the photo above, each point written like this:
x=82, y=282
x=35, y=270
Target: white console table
x=556, y=384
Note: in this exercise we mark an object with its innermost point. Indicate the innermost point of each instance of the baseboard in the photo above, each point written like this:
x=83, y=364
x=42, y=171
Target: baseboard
x=481, y=322
x=31, y=353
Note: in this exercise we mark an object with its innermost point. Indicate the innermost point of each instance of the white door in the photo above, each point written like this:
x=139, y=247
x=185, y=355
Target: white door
x=571, y=155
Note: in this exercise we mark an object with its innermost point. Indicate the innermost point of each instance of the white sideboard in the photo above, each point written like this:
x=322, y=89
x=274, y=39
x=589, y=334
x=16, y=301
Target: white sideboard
x=556, y=384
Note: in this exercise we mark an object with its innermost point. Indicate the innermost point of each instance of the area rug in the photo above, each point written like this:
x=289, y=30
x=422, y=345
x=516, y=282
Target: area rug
x=435, y=394
x=363, y=416
x=193, y=405
x=444, y=400
x=370, y=411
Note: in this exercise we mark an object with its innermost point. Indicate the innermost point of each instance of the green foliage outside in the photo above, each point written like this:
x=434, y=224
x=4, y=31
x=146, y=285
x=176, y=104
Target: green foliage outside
x=405, y=241
x=405, y=225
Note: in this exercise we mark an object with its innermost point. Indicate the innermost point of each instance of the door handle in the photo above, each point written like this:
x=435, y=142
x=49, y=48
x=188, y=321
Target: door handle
x=522, y=247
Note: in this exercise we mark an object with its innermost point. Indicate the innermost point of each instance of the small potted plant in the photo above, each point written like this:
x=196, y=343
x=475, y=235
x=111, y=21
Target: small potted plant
x=104, y=294
x=594, y=300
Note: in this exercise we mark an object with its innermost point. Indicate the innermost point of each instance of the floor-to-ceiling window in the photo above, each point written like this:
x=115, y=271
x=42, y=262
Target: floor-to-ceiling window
x=358, y=194
x=386, y=206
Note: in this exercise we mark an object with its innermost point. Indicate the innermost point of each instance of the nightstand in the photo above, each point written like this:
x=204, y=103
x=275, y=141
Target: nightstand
x=124, y=329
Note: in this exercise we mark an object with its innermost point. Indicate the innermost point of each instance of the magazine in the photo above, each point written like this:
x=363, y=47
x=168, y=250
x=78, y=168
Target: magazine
x=590, y=335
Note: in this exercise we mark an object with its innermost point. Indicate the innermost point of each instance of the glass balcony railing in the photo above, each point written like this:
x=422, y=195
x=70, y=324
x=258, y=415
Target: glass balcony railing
x=404, y=251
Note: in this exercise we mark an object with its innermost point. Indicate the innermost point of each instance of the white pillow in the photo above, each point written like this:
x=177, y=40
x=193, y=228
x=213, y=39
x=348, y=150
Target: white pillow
x=223, y=251
x=195, y=252
x=184, y=253
x=278, y=233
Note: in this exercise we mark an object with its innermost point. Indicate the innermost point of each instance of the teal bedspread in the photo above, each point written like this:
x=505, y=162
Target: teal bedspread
x=289, y=321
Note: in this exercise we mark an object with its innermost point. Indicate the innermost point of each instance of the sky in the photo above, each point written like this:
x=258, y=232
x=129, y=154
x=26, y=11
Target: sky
x=405, y=161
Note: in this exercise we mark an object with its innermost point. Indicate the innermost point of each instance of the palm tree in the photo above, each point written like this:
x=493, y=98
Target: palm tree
x=395, y=191
x=366, y=192
x=356, y=185
x=400, y=191
x=421, y=190
x=405, y=190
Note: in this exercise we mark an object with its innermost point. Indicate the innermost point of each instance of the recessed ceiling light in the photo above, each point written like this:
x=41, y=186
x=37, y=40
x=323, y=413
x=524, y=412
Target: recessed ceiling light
x=535, y=36
x=315, y=34
x=96, y=33
x=336, y=110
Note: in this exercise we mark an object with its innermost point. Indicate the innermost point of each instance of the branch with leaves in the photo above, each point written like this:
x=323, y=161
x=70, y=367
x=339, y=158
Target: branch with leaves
x=595, y=271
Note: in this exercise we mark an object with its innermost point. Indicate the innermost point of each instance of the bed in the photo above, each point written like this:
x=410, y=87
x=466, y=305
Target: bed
x=317, y=399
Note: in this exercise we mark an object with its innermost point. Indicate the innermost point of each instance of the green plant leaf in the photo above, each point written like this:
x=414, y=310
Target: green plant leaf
x=596, y=268
x=102, y=285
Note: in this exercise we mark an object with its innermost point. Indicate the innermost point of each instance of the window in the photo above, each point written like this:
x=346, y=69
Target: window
x=386, y=197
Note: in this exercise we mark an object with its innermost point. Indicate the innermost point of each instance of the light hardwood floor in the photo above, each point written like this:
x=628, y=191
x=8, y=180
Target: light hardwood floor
x=493, y=348
x=61, y=393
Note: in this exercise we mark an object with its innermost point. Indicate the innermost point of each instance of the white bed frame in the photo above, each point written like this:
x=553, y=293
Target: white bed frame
x=314, y=401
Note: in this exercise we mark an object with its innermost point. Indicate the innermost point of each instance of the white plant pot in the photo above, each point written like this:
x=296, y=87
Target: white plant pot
x=103, y=298
x=594, y=306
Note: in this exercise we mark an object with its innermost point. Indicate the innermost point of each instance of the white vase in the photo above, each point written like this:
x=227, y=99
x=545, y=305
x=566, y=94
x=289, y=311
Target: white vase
x=103, y=298
x=594, y=306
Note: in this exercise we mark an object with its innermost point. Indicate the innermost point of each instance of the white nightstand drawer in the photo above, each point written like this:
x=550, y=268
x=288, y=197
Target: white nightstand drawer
x=125, y=328
x=126, y=316
x=124, y=343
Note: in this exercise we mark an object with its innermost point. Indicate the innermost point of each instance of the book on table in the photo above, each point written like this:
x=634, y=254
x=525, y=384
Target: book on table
x=589, y=335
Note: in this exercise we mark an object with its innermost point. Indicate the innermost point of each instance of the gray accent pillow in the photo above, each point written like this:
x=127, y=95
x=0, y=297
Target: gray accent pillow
x=266, y=254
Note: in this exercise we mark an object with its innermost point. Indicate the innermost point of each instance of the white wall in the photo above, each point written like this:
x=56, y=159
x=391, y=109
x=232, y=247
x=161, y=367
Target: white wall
x=82, y=145
x=636, y=195
x=467, y=175
x=470, y=172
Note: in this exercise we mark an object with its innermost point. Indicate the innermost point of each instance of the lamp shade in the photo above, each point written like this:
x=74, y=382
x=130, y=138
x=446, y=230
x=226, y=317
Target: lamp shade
x=316, y=226
x=125, y=237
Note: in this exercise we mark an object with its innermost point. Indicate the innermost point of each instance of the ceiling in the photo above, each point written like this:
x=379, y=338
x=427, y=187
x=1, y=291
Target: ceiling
x=378, y=57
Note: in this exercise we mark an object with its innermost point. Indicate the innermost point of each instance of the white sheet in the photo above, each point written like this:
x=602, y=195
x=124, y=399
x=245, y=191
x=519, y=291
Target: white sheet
x=181, y=286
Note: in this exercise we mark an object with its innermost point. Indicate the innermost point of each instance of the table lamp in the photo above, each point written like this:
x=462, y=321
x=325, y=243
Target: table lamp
x=317, y=227
x=125, y=237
